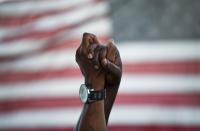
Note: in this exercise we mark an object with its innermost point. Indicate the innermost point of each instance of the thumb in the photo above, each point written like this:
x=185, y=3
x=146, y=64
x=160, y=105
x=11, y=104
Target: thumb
x=108, y=65
x=111, y=67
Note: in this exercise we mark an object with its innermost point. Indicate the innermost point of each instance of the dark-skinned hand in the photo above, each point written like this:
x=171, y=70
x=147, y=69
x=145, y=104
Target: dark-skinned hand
x=112, y=67
x=111, y=62
x=95, y=78
x=101, y=66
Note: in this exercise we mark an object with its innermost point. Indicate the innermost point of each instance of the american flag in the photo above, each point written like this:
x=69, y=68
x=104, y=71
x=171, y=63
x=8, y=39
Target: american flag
x=39, y=79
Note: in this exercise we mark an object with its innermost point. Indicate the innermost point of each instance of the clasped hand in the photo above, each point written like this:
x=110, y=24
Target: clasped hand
x=99, y=64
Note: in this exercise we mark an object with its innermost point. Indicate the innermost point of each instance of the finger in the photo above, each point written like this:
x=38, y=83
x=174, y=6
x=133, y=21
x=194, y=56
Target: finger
x=102, y=56
x=92, y=46
x=118, y=61
x=95, y=40
x=111, y=50
x=107, y=64
x=113, y=53
x=112, y=62
x=86, y=41
x=91, y=50
x=112, y=67
x=95, y=60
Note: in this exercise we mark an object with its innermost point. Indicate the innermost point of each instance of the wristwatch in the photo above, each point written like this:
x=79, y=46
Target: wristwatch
x=88, y=95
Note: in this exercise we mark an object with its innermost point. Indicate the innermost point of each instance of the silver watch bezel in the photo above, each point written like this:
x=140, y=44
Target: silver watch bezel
x=83, y=93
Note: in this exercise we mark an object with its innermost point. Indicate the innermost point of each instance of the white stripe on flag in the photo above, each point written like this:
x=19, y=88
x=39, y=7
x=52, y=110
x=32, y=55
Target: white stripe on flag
x=134, y=52
x=70, y=86
x=72, y=17
x=53, y=59
x=21, y=46
x=134, y=115
x=33, y=6
x=159, y=51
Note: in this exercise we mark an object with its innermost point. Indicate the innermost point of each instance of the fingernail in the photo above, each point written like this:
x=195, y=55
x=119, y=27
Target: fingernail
x=96, y=67
x=104, y=62
x=90, y=56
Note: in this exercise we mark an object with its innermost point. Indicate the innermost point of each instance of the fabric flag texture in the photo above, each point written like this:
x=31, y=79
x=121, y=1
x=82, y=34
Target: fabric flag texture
x=40, y=80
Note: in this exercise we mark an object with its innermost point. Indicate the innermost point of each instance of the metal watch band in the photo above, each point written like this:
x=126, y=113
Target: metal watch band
x=97, y=95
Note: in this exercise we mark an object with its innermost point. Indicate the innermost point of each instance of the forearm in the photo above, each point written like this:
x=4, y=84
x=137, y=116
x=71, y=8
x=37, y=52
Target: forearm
x=109, y=101
x=92, y=118
x=90, y=54
x=111, y=92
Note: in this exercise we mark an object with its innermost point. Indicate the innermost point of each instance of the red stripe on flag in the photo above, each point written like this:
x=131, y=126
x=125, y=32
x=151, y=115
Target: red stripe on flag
x=52, y=45
x=118, y=127
x=161, y=99
x=25, y=76
x=166, y=99
x=182, y=67
x=153, y=127
x=174, y=67
x=50, y=33
x=38, y=103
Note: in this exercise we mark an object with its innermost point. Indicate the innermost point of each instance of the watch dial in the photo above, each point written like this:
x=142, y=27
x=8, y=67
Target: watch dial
x=83, y=93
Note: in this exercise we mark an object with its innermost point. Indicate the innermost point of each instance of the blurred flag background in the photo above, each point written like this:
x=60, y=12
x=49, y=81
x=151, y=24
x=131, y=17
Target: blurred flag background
x=160, y=49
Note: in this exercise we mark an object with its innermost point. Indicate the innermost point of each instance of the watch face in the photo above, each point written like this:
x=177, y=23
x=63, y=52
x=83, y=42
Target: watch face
x=83, y=93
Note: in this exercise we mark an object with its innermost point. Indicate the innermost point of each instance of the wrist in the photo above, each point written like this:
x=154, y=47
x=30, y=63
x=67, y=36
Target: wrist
x=96, y=84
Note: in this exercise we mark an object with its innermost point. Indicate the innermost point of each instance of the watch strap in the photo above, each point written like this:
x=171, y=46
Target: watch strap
x=97, y=95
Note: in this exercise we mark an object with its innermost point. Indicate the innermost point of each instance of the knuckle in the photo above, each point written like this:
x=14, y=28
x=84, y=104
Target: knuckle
x=77, y=56
x=86, y=34
x=78, y=51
